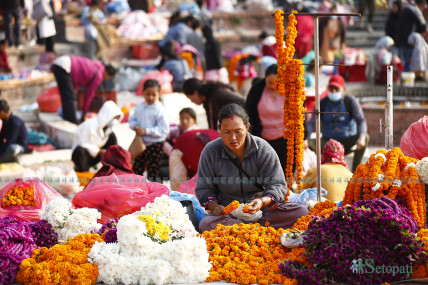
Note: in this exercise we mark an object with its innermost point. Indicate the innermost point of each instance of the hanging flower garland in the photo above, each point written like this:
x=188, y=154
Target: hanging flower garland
x=390, y=174
x=290, y=83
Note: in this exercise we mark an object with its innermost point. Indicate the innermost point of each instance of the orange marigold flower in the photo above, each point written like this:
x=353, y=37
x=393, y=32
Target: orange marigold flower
x=231, y=207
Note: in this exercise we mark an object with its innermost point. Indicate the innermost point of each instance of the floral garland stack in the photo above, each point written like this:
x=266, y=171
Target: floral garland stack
x=19, y=195
x=390, y=174
x=290, y=83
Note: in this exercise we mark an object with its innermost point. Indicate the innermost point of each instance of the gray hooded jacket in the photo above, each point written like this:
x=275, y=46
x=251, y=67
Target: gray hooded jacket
x=219, y=177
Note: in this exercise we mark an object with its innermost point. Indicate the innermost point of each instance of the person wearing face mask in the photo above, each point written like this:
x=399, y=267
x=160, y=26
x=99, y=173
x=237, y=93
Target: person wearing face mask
x=94, y=136
x=348, y=129
x=265, y=108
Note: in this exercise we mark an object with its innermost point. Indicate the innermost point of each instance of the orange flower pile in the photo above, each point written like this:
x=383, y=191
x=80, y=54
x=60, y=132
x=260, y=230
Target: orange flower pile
x=320, y=209
x=231, y=207
x=19, y=195
x=188, y=57
x=421, y=270
x=61, y=264
x=248, y=253
x=390, y=174
x=290, y=83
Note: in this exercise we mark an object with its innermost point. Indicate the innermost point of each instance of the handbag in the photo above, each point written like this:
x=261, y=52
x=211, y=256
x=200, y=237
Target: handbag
x=137, y=146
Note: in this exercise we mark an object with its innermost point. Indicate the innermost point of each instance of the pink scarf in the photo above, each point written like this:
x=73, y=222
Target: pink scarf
x=333, y=152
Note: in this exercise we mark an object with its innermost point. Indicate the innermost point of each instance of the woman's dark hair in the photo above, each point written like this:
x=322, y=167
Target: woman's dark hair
x=110, y=69
x=233, y=110
x=95, y=2
x=204, y=88
x=4, y=106
x=399, y=5
x=169, y=49
x=151, y=83
x=188, y=111
x=272, y=69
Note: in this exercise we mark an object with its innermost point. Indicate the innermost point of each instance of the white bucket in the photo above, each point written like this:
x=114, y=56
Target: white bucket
x=408, y=78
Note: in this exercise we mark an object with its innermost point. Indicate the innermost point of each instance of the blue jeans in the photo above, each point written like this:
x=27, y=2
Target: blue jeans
x=406, y=57
x=17, y=14
x=11, y=153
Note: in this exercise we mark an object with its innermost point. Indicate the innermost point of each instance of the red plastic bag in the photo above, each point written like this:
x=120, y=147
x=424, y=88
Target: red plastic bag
x=189, y=186
x=117, y=196
x=43, y=194
x=50, y=100
x=165, y=80
x=414, y=142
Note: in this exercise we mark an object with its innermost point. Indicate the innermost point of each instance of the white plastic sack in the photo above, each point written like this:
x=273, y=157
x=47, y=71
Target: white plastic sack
x=292, y=239
x=245, y=217
x=64, y=183
x=129, y=78
x=306, y=195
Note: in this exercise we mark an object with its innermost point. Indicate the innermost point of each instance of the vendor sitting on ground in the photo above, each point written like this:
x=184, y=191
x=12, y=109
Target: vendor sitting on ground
x=116, y=160
x=94, y=136
x=334, y=171
x=13, y=134
x=220, y=181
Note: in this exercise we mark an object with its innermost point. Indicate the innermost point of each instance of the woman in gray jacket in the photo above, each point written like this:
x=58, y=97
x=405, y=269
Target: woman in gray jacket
x=242, y=167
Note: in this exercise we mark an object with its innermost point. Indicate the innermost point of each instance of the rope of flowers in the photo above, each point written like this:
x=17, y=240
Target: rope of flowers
x=420, y=270
x=19, y=195
x=61, y=264
x=391, y=174
x=246, y=254
x=290, y=84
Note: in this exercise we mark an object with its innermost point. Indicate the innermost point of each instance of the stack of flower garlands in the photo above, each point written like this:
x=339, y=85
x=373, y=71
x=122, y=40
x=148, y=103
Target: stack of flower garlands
x=61, y=264
x=17, y=241
x=155, y=245
x=19, y=195
x=390, y=174
x=377, y=233
x=290, y=83
x=68, y=222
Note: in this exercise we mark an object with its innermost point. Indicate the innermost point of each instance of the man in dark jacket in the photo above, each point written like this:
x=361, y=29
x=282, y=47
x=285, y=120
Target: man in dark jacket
x=13, y=134
x=348, y=129
x=12, y=8
x=411, y=20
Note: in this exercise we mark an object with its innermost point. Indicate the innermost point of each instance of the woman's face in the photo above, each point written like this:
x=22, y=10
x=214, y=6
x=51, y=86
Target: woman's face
x=233, y=132
x=186, y=121
x=196, y=98
x=395, y=8
x=270, y=82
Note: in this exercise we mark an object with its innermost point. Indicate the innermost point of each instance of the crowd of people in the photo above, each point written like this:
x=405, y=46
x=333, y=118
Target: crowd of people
x=245, y=131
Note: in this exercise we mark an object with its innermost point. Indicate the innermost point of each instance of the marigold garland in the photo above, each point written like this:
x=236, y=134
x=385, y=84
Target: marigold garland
x=390, y=174
x=247, y=209
x=421, y=270
x=248, y=253
x=19, y=195
x=61, y=264
x=290, y=83
x=320, y=209
x=231, y=207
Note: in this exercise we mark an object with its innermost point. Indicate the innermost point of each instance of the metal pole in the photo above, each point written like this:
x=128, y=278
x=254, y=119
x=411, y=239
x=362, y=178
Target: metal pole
x=388, y=110
x=317, y=106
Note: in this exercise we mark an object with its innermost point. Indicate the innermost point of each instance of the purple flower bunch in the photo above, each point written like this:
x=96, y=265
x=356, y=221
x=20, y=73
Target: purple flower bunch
x=16, y=244
x=43, y=234
x=375, y=235
x=109, y=230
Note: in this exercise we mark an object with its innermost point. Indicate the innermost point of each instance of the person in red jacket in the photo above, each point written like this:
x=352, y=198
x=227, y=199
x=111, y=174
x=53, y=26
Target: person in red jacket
x=4, y=63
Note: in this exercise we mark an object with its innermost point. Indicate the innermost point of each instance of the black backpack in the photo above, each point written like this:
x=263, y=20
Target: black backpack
x=346, y=99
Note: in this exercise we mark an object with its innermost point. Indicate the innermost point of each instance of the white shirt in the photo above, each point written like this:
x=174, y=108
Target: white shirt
x=64, y=62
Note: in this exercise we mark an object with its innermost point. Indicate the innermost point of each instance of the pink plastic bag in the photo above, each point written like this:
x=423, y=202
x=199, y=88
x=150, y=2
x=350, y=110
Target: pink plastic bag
x=43, y=194
x=188, y=187
x=117, y=196
x=414, y=142
x=165, y=80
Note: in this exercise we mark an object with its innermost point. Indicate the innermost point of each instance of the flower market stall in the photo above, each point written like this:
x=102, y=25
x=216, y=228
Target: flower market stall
x=376, y=235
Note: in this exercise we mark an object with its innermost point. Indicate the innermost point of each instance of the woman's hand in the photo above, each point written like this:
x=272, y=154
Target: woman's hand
x=255, y=206
x=218, y=211
x=139, y=131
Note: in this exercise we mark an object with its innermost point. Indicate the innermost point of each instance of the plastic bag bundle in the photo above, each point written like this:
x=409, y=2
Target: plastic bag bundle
x=117, y=196
x=245, y=217
x=307, y=195
x=292, y=239
x=200, y=211
x=43, y=194
x=414, y=142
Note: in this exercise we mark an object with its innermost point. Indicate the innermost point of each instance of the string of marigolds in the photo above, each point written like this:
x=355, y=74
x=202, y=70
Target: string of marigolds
x=390, y=174
x=290, y=84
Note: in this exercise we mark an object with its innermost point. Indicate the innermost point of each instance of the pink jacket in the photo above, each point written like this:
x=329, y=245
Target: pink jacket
x=86, y=73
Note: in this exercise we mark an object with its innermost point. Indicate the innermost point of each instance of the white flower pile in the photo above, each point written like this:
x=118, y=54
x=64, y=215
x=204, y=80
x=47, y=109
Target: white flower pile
x=68, y=222
x=422, y=169
x=172, y=213
x=136, y=259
